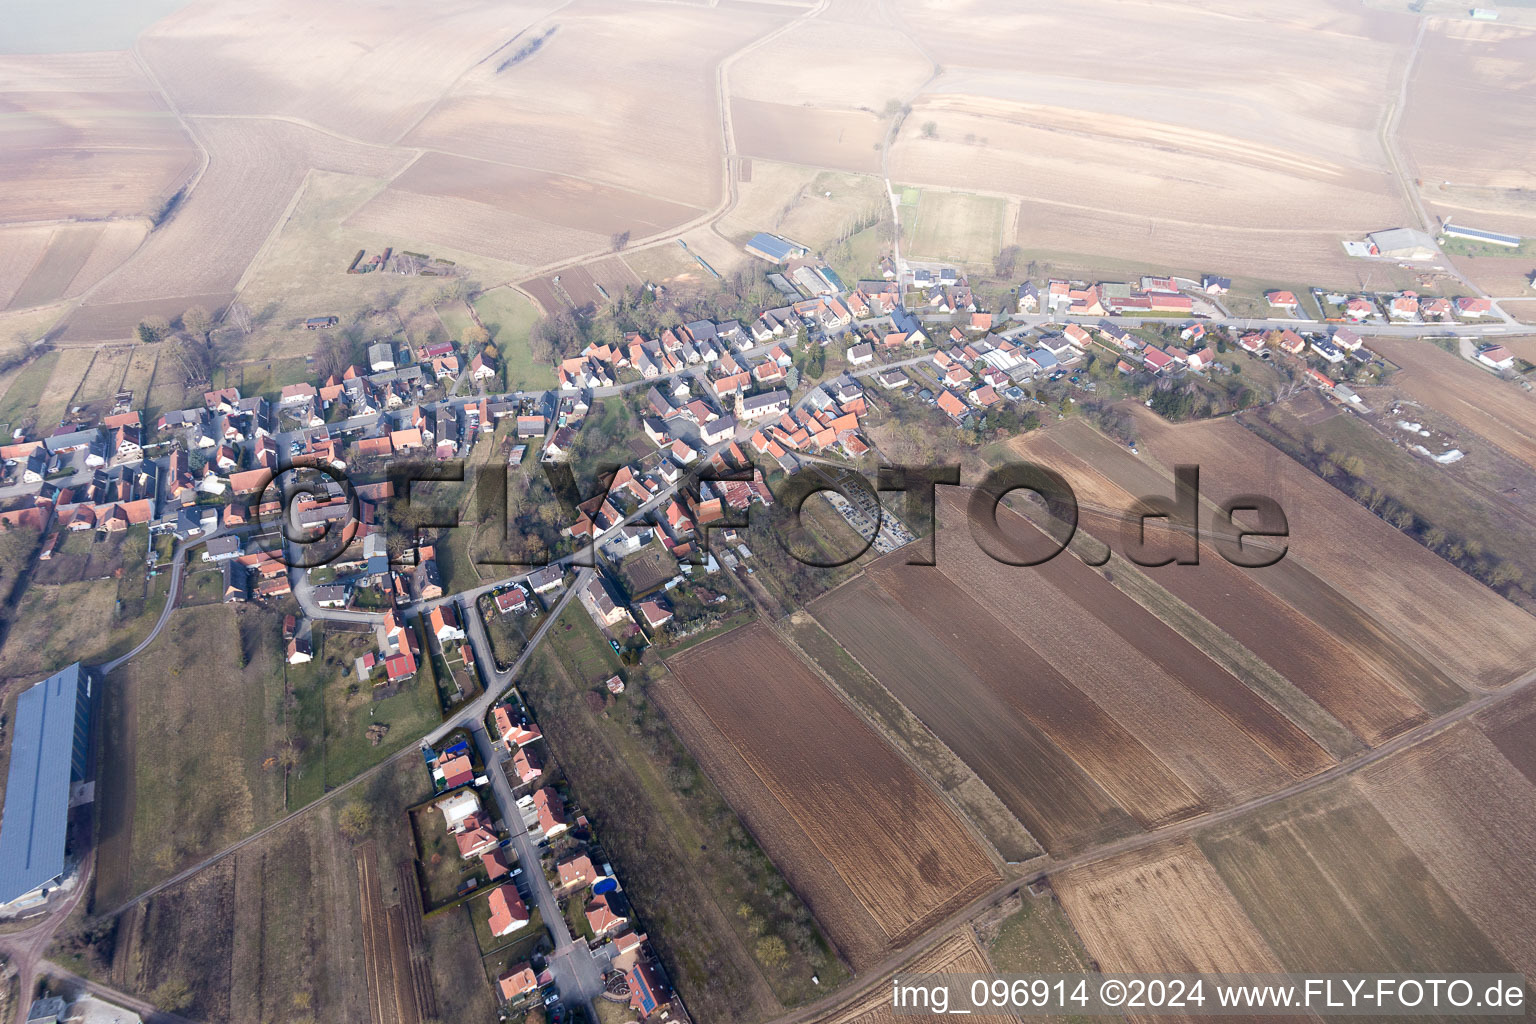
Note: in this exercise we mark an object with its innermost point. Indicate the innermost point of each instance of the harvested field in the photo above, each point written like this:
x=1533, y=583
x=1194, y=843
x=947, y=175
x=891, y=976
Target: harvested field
x=1024, y=681
x=846, y=140
x=828, y=72
x=1501, y=413
x=503, y=234
x=105, y=375
x=1473, y=76
x=813, y=207
x=614, y=275
x=60, y=390
x=116, y=321
x=183, y=935
x=350, y=67
x=140, y=374
x=1331, y=887
x=1413, y=594
x=1355, y=682
x=20, y=250
x=1132, y=636
x=627, y=95
x=690, y=876
x=298, y=272
x=557, y=199
x=911, y=737
x=1477, y=500
x=1470, y=816
x=1117, y=696
x=1500, y=277
x=1069, y=239
x=281, y=928
x=852, y=826
x=76, y=257
x=191, y=800
x=1163, y=909
x=392, y=998
x=1180, y=129
x=957, y=953
x=75, y=146
x=255, y=167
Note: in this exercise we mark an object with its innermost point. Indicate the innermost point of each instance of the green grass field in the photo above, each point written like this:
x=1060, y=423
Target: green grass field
x=510, y=318
x=91, y=620
x=192, y=724
x=350, y=709
x=27, y=389
x=954, y=226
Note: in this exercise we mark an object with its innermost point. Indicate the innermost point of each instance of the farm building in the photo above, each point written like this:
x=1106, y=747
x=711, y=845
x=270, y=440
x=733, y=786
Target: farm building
x=1496, y=356
x=1402, y=244
x=1478, y=235
x=50, y=751
x=381, y=357
x=773, y=248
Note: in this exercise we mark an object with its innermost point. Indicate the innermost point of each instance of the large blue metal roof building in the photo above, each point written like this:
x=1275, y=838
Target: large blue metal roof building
x=50, y=749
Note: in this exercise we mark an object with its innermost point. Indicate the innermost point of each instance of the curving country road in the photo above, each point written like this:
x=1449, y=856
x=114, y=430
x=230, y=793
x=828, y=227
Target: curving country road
x=178, y=565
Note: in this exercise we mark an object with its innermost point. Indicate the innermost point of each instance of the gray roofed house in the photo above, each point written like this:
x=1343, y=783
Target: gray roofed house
x=74, y=440
x=331, y=595
x=381, y=356
x=547, y=578
x=767, y=404
x=50, y=749
x=221, y=548
x=48, y=1010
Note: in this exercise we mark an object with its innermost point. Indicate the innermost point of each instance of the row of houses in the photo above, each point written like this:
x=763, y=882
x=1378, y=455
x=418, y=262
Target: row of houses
x=574, y=876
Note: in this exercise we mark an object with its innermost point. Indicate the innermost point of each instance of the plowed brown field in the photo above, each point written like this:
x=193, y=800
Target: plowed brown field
x=821, y=790
x=1063, y=807
x=1471, y=632
x=1072, y=702
x=1357, y=682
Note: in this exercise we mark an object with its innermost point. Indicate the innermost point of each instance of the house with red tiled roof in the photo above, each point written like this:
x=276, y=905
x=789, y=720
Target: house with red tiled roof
x=1156, y=360
x=474, y=841
x=456, y=771
x=510, y=732
x=576, y=873
x=527, y=764
x=551, y=812
x=518, y=981
x=950, y=403
x=602, y=916
x=507, y=911
x=495, y=864
x=647, y=994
